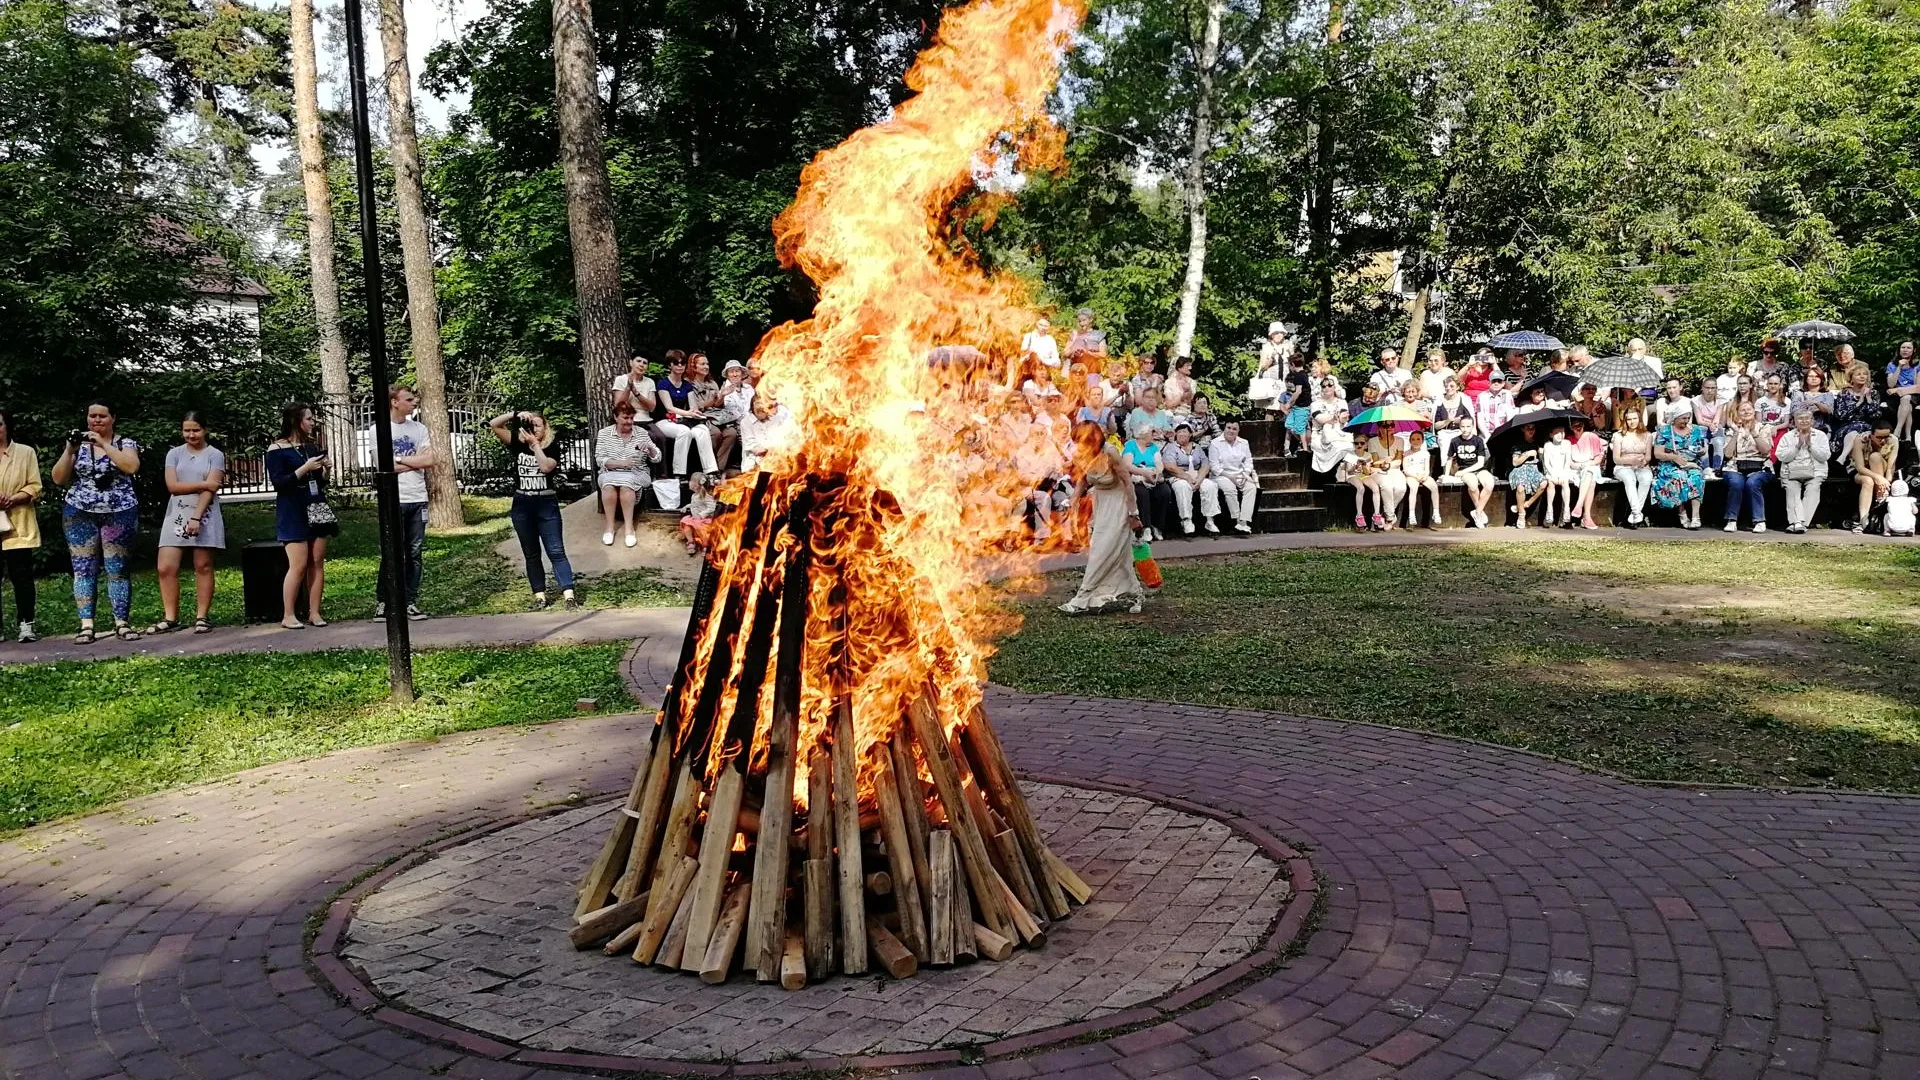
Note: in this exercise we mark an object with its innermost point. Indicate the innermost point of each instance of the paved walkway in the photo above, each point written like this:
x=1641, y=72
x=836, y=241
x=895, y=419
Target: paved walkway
x=1489, y=914
x=525, y=628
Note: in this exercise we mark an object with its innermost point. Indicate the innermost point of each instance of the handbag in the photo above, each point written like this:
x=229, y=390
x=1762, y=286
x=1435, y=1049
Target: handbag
x=1263, y=388
x=6, y=525
x=319, y=513
x=666, y=492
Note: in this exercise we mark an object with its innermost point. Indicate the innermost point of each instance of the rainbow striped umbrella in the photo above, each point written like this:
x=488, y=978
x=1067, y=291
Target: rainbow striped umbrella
x=1394, y=418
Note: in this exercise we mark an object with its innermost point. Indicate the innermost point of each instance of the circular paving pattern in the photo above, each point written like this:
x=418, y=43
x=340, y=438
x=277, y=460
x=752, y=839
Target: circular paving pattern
x=475, y=935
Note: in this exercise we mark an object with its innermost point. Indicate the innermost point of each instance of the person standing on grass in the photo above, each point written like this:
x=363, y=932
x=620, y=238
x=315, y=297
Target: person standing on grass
x=412, y=456
x=100, y=515
x=536, y=504
x=193, y=523
x=19, y=525
x=303, y=522
x=1109, y=583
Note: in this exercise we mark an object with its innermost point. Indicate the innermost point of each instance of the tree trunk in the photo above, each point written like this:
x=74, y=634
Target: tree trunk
x=1321, y=221
x=596, y=254
x=1196, y=183
x=1416, y=324
x=313, y=178
x=423, y=304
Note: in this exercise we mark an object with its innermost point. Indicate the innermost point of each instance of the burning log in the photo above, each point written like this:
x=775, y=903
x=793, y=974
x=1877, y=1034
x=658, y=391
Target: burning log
x=906, y=841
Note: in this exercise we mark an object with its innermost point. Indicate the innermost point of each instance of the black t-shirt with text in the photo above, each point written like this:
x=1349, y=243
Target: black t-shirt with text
x=1469, y=450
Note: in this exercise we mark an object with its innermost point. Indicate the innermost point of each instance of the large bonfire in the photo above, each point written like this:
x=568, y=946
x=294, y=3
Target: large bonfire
x=823, y=791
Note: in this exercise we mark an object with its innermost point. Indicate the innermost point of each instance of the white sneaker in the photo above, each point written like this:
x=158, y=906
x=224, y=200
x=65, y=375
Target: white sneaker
x=1732, y=526
x=632, y=539
x=1242, y=527
x=1759, y=526
x=1212, y=528
x=1186, y=528
x=27, y=636
x=606, y=538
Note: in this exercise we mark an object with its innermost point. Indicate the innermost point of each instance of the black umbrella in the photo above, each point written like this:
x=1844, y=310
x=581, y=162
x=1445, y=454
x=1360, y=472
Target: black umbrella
x=1525, y=341
x=1815, y=330
x=1556, y=384
x=1542, y=417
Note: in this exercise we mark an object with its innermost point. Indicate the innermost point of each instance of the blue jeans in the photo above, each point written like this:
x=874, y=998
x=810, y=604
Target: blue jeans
x=413, y=543
x=1751, y=487
x=1716, y=451
x=536, y=521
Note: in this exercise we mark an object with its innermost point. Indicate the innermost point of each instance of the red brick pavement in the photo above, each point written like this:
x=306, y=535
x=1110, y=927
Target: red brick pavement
x=1490, y=913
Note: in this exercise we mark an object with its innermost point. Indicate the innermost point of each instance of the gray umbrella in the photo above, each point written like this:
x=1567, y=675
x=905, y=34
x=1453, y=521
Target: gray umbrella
x=1526, y=341
x=1620, y=373
x=1815, y=330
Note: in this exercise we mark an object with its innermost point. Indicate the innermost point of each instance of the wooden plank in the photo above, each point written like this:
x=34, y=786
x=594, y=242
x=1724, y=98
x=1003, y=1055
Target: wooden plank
x=625, y=940
x=611, y=863
x=652, y=810
x=677, y=835
x=673, y=946
x=816, y=878
x=1004, y=789
x=973, y=849
x=893, y=829
x=896, y=959
x=793, y=960
x=913, y=800
x=665, y=905
x=880, y=883
x=940, y=912
x=716, y=846
x=1070, y=882
x=846, y=833
x=991, y=945
x=963, y=945
x=726, y=934
x=1013, y=868
x=607, y=921
x=767, y=918
x=819, y=803
x=1025, y=922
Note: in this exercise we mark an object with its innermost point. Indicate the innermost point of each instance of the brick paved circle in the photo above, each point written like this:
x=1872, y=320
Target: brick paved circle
x=1487, y=913
x=475, y=936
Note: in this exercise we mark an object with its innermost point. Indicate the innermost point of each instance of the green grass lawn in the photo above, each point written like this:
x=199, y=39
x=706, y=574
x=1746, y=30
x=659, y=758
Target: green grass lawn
x=76, y=736
x=1789, y=664
x=464, y=574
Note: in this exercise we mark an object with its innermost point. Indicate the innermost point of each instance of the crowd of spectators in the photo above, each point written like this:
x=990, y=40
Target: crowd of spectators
x=1552, y=441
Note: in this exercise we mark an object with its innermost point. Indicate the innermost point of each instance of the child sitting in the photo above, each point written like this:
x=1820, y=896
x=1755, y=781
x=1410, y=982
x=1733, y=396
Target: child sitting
x=702, y=508
x=1900, y=510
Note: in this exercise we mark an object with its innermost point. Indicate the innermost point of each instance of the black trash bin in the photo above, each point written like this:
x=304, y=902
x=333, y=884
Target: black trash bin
x=263, y=567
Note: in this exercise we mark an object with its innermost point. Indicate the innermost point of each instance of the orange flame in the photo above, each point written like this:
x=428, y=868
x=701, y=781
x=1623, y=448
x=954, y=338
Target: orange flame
x=935, y=458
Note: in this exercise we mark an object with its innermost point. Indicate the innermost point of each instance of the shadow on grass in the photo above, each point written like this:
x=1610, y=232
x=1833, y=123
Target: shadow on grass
x=1483, y=642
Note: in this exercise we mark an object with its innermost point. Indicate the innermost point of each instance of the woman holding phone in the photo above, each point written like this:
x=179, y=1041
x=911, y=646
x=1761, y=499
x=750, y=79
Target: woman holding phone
x=195, y=471
x=100, y=515
x=303, y=522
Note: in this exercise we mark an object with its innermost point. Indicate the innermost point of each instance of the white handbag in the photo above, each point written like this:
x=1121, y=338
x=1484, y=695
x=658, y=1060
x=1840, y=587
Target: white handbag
x=1263, y=388
x=666, y=492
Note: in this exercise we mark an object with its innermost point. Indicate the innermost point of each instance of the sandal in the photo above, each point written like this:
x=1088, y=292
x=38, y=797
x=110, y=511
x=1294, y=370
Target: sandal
x=164, y=626
x=202, y=626
x=125, y=632
x=86, y=636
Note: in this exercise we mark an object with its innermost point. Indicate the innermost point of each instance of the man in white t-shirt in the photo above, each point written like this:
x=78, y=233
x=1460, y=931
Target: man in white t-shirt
x=1040, y=345
x=412, y=457
x=1390, y=378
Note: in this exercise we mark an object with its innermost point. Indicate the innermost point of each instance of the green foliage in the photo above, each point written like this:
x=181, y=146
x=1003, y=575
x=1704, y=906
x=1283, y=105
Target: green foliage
x=713, y=108
x=78, y=735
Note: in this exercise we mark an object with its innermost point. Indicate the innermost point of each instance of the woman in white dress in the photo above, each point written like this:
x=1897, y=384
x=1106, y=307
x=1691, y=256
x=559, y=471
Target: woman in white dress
x=1110, y=583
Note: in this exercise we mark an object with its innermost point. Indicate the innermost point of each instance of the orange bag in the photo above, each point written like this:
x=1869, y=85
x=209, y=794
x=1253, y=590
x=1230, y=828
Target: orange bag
x=1144, y=567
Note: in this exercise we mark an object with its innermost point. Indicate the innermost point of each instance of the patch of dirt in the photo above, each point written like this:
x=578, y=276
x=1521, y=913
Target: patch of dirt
x=1709, y=606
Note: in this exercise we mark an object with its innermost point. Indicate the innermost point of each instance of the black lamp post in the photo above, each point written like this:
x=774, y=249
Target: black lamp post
x=386, y=484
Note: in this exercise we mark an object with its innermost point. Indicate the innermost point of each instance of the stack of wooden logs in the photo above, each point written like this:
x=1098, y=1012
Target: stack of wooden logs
x=917, y=849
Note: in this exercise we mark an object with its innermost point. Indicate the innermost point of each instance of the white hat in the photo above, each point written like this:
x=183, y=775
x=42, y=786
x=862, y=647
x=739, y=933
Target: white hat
x=1897, y=489
x=731, y=364
x=1276, y=328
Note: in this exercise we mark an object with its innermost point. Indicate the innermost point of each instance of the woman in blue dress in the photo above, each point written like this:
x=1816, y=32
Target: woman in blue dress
x=1681, y=448
x=303, y=522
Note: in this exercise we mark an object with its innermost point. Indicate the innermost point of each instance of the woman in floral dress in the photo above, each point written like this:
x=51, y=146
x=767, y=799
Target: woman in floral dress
x=1681, y=448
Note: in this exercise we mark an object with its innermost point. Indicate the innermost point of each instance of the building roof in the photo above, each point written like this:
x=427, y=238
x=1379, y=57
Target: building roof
x=213, y=276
